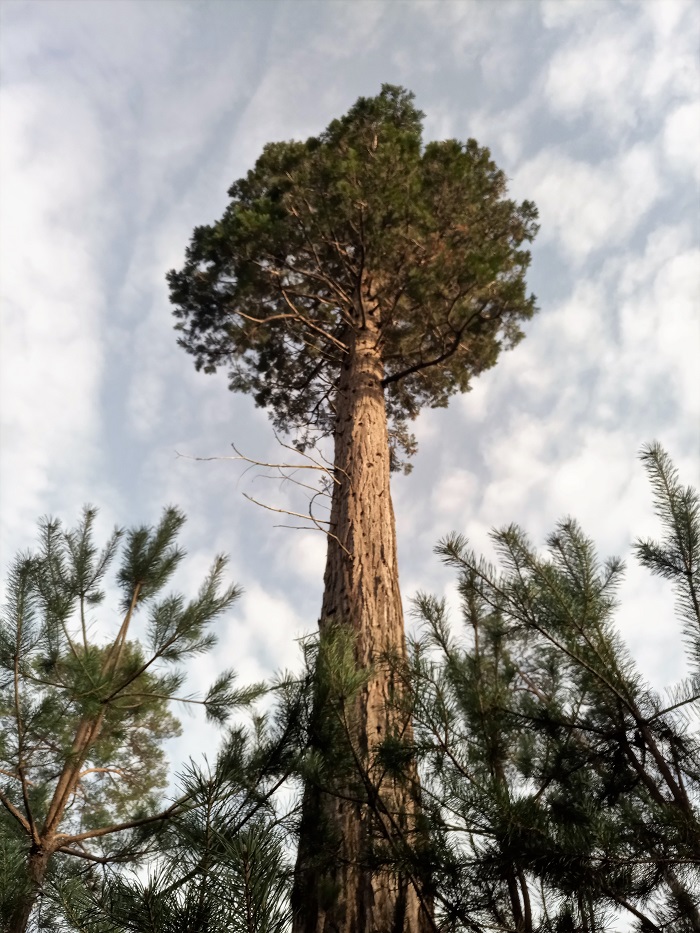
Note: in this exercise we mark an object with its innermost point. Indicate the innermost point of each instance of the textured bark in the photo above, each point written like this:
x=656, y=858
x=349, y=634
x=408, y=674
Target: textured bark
x=37, y=863
x=361, y=589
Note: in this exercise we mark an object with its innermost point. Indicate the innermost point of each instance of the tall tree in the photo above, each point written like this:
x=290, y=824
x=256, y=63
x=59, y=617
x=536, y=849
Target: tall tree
x=353, y=279
x=83, y=721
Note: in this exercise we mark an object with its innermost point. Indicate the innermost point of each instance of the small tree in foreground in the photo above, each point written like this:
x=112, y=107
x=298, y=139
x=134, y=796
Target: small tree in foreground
x=83, y=722
x=562, y=789
x=218, y=866
x=223, y=862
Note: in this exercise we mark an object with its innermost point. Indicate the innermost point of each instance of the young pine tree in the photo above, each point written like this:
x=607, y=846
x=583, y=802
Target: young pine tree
x=220, y=865
x=562, y=789
x=353, y=279
x=83, y=722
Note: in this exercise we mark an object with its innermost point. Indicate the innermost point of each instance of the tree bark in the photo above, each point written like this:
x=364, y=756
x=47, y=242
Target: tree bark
x=342, y=892
x=37, y=863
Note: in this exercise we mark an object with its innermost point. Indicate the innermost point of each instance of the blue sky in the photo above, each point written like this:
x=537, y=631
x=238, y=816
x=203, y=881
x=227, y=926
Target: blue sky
x=123, y=125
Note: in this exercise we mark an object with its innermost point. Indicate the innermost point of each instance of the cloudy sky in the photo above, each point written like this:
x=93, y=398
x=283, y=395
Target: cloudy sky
x=123, y=124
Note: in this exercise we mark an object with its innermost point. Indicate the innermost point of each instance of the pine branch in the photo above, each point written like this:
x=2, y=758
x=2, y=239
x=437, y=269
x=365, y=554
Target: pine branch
x=71, y=838
x=12, y=809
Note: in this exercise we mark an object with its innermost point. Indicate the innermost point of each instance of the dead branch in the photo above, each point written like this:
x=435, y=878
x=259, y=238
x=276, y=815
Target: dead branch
x=261, y=463
x=330, y=472
x=329, y=534
x=272, y=508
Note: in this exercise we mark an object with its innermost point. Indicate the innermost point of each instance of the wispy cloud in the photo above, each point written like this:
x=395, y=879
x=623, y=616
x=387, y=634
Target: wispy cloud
x=586, y=206
x=51, y=355
x=597, y=70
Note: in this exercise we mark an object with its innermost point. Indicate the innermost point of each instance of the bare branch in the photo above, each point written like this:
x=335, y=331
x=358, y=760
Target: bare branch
x=440, y=358
x=15, y=776
x=101, y=770
x=262, y=463
x=11, y=808
x=68, y=839
x=265, y=320
x=313, y=327
x=272, y=508
x=102, y=859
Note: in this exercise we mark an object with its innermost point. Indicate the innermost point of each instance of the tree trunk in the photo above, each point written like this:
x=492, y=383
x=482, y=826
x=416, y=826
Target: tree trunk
x=37, y=864
x=338, y=891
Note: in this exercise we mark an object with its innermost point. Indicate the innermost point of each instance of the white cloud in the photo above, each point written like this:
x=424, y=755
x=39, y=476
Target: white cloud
x=668, y=15
x=51, y=355
x=681, y=140
x=304, y=552
x=453, y=495
x=470, y=25
x=557, y=14
x=584, y=207
x=648, y=625
x=346, y=33
x=505, y=129
x=593, y=73
x=618, y=64
x=656, y=295
x=661, y=332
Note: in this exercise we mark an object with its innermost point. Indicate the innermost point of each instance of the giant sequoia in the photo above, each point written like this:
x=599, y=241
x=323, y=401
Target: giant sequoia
x=353, y=279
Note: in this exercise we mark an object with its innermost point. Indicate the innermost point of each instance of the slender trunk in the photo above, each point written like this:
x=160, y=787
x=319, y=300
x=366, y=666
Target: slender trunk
x=88, y=730
x=340, y=891
x=37, y=863
x=514, y=896
x=684, y=899
x=527, y=905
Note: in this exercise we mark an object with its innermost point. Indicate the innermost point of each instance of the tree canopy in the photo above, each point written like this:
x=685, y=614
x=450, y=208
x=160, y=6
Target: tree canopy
x=364, y=224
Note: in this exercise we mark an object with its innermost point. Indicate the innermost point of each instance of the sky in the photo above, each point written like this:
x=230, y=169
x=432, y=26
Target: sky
x=122, y=125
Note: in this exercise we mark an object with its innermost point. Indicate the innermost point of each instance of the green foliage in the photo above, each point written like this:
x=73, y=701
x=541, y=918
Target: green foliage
x=677, y=556
x=14, y=882
x=559, y=792
x=150, y=558
x=560, y=788
x=336, y=680
x=83, y=722
x=222, y=863
x=361, y=227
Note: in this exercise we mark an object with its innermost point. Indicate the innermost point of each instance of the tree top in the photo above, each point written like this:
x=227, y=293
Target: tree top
x=364, y=228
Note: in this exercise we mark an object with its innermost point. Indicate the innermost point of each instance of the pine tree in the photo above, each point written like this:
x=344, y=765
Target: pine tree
x=218, y=866
x=83, y=722
x=353, y=279
x=561, y=788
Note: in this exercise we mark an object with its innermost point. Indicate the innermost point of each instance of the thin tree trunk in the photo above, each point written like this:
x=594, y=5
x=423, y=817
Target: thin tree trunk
x=684, y=899
x=37, y=864
x=343, y=893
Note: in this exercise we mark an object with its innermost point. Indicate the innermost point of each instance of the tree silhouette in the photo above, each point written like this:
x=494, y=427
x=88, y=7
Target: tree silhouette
x=354, y=279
